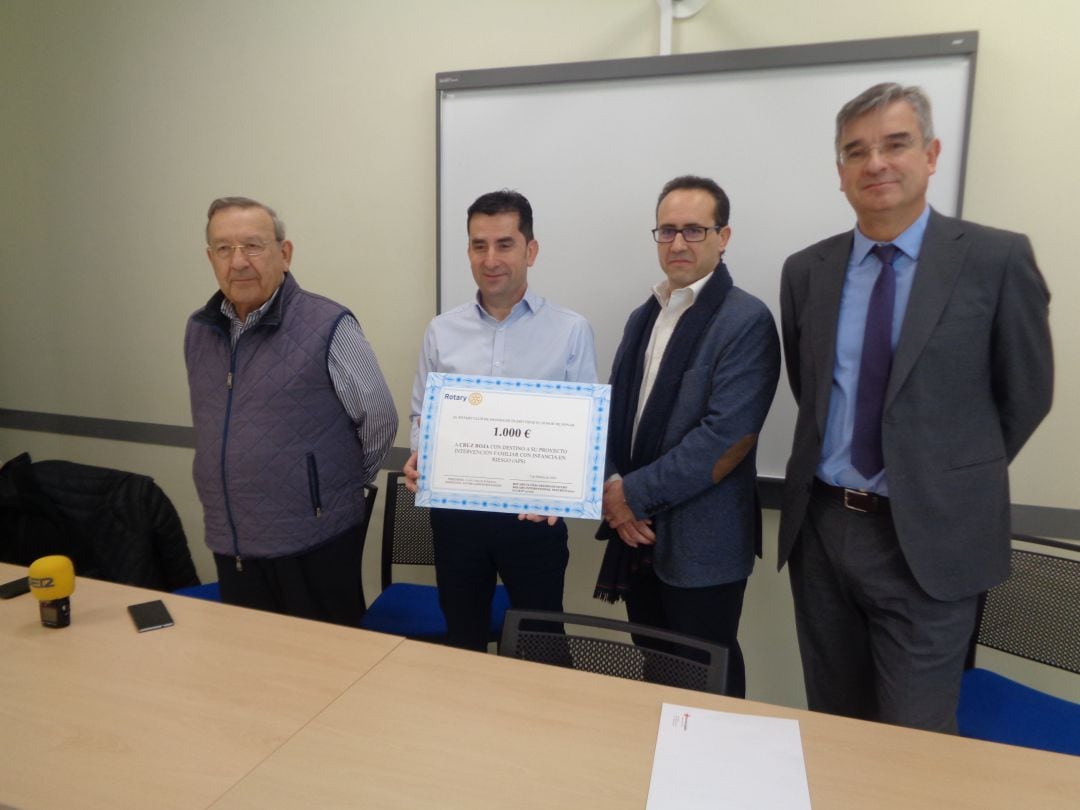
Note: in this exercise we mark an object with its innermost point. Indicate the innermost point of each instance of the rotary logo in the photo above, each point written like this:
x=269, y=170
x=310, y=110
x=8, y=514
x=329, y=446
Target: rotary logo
x=475, y=398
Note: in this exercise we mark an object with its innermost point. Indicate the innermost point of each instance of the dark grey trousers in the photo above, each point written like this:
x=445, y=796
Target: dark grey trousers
x=874, y=645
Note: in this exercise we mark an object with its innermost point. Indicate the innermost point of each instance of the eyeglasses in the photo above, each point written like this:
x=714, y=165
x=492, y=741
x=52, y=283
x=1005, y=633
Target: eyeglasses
x=691, y=233
x=889, y=150
x=250, y=248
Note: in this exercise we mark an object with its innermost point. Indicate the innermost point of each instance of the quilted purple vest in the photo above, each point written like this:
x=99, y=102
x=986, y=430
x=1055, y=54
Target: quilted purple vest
x=277, y=458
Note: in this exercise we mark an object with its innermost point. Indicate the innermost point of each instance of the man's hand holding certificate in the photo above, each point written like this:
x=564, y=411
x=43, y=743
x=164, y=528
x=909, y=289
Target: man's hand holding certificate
x=498, y=444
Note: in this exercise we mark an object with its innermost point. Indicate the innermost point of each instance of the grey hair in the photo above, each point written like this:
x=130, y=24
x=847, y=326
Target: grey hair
x=880, y=96
x=245, y=202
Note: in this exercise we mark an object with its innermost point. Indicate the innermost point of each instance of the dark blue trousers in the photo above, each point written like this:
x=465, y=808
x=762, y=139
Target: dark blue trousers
x=711, y=613
x=322, y=583
x=473, y=548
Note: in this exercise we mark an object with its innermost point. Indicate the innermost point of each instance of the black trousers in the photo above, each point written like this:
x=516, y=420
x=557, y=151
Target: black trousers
x=322, y=583
x=473, y=548
x=711, y=613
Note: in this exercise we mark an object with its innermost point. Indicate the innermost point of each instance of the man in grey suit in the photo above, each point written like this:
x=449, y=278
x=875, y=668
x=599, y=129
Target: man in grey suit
x=918, y=349
x=692, y=381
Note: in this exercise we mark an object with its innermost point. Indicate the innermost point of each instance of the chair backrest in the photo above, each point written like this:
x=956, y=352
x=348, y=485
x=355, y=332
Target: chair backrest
x=406, y=530
x=687, y=662
x=1033, y=614
x=115, y=525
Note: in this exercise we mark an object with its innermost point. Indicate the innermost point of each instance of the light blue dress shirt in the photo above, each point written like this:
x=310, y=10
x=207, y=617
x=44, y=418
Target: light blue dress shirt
x=863, y=267
x=538, y=340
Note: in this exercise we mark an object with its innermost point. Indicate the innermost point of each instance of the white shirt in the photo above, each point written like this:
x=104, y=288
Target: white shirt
x=673, y=303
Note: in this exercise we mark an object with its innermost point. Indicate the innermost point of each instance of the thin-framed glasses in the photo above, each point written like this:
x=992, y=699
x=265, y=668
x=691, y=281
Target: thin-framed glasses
x=893, y=148
x=691, y=233
x=253, y=247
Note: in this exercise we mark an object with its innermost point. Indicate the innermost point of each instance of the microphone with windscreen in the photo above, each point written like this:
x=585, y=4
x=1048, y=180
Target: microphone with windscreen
x=52, y=581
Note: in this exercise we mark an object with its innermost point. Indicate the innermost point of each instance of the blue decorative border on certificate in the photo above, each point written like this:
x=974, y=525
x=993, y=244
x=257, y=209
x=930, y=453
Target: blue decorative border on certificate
x=587, y=507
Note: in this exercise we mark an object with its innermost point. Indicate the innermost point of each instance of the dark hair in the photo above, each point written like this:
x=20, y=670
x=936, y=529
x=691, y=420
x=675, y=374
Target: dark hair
x=244, y=202
x=504, y=201
x=722, y=207
x=880, y=96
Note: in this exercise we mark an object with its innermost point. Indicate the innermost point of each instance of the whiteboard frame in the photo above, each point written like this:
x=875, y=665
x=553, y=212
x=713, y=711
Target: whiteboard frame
x=519, y=85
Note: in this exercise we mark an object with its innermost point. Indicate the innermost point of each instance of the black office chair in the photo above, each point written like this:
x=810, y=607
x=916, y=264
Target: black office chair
x=115, y=525
x=406, y=608
x=210, y=591
x=538, y=635
x=1034, y=614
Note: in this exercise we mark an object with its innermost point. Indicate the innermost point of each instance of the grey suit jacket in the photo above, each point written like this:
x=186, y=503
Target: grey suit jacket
x=972, y=377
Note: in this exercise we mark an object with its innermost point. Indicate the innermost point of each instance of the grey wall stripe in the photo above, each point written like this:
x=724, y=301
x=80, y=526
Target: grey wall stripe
x=1040, y=521
x=118, y=430
x=1046, y=521
x=111, y=429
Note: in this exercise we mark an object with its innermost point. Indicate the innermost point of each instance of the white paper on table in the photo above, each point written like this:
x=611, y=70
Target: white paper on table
x=710, y=759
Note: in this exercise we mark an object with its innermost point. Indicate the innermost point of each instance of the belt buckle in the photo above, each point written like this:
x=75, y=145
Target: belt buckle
x=853, y=496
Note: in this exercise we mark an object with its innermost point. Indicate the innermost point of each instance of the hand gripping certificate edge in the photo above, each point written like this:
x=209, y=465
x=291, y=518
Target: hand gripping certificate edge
x=587, y=507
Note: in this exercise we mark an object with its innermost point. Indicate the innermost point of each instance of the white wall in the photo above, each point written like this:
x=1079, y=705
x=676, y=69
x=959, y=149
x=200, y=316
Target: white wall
x=121, y=119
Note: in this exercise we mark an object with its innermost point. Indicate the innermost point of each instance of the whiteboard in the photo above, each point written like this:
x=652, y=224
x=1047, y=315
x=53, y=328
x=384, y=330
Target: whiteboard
x=591, y=144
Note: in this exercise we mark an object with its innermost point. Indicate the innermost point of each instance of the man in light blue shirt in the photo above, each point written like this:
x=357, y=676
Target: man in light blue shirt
x=507, y=331
x=863, y=267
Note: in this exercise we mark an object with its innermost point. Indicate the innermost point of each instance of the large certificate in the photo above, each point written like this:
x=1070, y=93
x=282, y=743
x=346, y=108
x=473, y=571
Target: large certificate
x=497, y=444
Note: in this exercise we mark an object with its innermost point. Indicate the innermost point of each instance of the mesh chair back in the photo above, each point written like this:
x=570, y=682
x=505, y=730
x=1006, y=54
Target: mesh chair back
x=406, y=530
x=1033, y=614
x=534, y=635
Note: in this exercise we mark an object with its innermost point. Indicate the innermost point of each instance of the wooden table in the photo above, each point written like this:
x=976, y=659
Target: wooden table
x=97, y=715
x=234, y=708
x=434, y=727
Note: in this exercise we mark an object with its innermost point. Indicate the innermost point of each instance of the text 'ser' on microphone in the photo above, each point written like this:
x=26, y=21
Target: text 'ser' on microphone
x=52, y=581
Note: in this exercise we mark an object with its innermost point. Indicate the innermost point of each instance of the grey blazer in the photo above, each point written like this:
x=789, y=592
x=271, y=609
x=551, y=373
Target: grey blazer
x=972, y=378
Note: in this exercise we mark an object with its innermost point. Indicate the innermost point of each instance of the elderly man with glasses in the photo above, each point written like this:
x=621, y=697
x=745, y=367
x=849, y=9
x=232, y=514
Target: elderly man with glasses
x=692, y=381
x=292, y=418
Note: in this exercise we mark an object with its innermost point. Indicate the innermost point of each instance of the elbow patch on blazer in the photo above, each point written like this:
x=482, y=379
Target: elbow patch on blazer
x=732, y=457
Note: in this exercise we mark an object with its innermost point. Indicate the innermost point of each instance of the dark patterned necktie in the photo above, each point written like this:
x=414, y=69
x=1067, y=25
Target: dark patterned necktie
x=874, y=367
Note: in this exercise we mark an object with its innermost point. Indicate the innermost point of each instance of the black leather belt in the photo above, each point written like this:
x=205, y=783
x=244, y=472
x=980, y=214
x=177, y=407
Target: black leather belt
x=854, y=499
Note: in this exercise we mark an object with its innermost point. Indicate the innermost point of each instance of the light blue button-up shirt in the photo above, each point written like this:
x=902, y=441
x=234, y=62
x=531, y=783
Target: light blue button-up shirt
x=538, y=340
x=863, y=268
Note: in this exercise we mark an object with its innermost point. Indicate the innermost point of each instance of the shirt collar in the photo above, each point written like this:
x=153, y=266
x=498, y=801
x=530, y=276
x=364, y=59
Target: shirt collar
x=229, y=311
x=909, y=242
x=662, y=290
x=530, y=302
